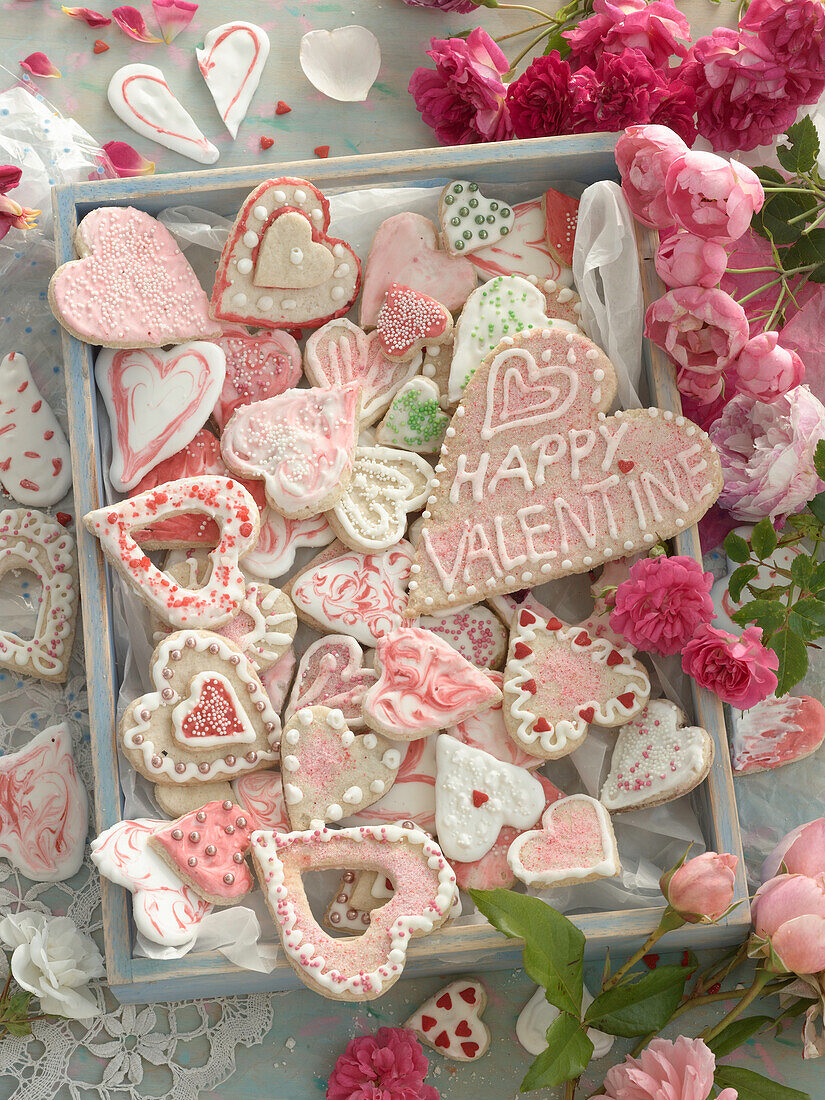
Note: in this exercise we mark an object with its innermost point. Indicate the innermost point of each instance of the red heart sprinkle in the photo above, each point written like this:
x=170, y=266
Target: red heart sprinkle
x=651, y=961
x=282, y=108
x=63, y=518
x=526, y=617
x=614, y=658
x=427, y=1022
x=530, y=686
x=463, y=1030
x=442, y=1040
x=583, y=638
x=479, y=798
x=321, y=151
x=627, y=699
x=554, y=624
x=444, y=1001
x=587, y=713
x=542, y=725
x=267, y=142
x=468, y=995
x=470, y=1049
x=521, y=650
x=100, y=46
x=625, y=466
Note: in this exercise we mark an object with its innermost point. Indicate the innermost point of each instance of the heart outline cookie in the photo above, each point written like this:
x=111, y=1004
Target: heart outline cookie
x=332, y=673
x=244, y=48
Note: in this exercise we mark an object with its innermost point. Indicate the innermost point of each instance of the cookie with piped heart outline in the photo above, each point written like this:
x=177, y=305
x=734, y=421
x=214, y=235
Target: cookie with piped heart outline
x=575, y=844
x=450, y=1021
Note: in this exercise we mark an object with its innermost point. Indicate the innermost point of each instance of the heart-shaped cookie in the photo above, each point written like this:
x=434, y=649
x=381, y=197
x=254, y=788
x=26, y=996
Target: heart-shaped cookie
x=414, y=421
x=156, y=401
x=132, y=287
x=561, y=217
x=450, y=1021
x=574, y=844
x=412, y=795
x=537, y=1016
x=331, y=674
x=353, y=901
x=354, y=968
x=231, y=63
x=328, y=771
x=350, y=592
x=656, y=758
x=341, y=352
x=274, y=553
x=559, y=679
x=279, y=268
x=386, y=485
x=477, y=633
x=44, y=811
x=529, y=484
x=525, y=251
x=301, y=443
x=164, y=910
x=31, y=542
x=405, y=249
x=469, y=220
x=208, y=718
x=140, y=97
x=262, y=796
x=207, y=849
x=776, y=732
x=257, y=367
x=409, y=320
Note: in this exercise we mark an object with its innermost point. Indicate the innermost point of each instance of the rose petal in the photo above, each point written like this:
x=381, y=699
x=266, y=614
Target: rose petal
x=9, y=177
x=131, y=22
x=127, y=161
x=343, y=63
x=173, y=16
x=39, y=65
x=89, y=17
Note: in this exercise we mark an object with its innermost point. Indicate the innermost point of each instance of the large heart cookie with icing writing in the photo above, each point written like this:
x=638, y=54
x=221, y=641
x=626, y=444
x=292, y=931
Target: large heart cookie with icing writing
x=257, y=367
x=279, y=268
x=301, y=443
x=132, y=288
x=156, y=401
x=207, y=848
x=575, y=844
x=423, y=685
x=328, y=771
x=355, y=968
x=332, y=674
x=30, y=542
x=44, y=810
x=535, y=481
x=208, y=718
x=559, y=679
x=341, y=352
x=776, y=732
x=35, y=464
x=450, y=1021
x=656, y=758
x=164, y=910
x=386, y=485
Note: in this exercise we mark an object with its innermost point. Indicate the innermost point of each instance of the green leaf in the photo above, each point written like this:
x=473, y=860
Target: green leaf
x=641, y=1006
x=556, y=42
x=818, y=274
x=736, y=548
x=804, y=150
x=763, y=539
x=736, y=1033
x=817, y=580
x=805, y=523
x=793, y=659
x=819, y=453
x=765, y=613
x=802, y=569
x=568, y=1053
x=553, y=946
x=772, y=221
x=770, y=176
x=809, y=249
x=817, y=507
x=18, y=1003
x=739, y=578
x=753, y=1086
x=17, y=1027
x=807, y=619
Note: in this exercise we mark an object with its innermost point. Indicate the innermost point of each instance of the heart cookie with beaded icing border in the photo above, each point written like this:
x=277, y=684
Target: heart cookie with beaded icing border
x=353, y=901
x=279, y=267
x=412, y=795
x=450, y=1021
x=332, y=674
x=207, y=848
x=208, y=719
x=575, y=844
x=559, y=680
x=656, y=758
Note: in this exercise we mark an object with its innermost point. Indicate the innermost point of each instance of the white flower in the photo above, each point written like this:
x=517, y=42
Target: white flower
x=53, y=960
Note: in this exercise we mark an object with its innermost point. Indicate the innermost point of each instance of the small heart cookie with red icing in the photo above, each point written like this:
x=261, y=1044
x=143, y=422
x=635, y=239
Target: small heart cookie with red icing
x=575, y=844
x=450, y=1021
x=207, y=849
x=409, y=320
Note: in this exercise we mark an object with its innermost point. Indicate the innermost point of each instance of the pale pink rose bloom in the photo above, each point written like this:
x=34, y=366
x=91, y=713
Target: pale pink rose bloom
x=683, y=259
x=788, y=912
x=644, y=154
x=701, y=890
x=712, y=197
x=702, y=387
x=802, y=851
x=665, y=1070
x=700, y=329
x=765, y=370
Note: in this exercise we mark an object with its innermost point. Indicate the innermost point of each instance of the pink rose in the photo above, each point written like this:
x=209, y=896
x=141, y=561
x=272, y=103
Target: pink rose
x=701, y=890
x=700, y=329
x=767, y=454
x=390, y=1065
x=788, y=914
x=622, y=90
x=686, y=260
x=701, y=387
x=741, y=671
x=617, y=25
x=540, y=100
x=765, y=370
x=711, y=197
x=802, y=851
x=10, y=177
x=665, y=1070
x=794, y=32
x=643, y=155
x=678, y=111
x=661, y=603
x=463, y=98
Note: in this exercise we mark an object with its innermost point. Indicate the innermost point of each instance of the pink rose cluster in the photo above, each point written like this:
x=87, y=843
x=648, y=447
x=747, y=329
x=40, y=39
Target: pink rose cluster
x=389, y=1065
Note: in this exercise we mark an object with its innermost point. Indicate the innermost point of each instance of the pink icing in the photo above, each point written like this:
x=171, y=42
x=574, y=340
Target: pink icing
x=408, y=318
x=571, y=839
x=477, y=633
x=262, y=796
x=277, y=679
x=776, y=732
x=208, y=846
x=331, y=674
x=274, y=552
x=133, y=287
x=257, y=367
x=488, y=732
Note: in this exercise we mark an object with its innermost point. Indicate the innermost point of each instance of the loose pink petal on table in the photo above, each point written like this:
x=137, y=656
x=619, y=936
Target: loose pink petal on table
x=89, y=17
x=131, y=22
x=127, y=161
x=9, y=177
x=39, y=65
x=173, y=16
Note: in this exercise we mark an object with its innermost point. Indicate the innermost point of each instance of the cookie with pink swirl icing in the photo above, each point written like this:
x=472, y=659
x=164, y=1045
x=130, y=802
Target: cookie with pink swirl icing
x=423, y=686
x=262, y=796
x=44, y=810
x=35, y=464
x=207, y=848
x=257, y=366
x=132, y=286
x=332, y=674
x=476, y=632
x=273, y=555
x=164, y=910
x=301, y=443
x=575, y=844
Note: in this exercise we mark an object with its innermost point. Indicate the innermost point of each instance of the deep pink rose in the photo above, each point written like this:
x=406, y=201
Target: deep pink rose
x=678, y=111
x=463, y=7
x=665, y=1070
x=656, y=29
x=622, y=90
x=9, y=177
x=741, y=93
x=788, y=913
x=712, y=197
x=701, y=890
x=540, y=100
x=462, y=99
x=702, y=330
x=387, y=1066
x=741, y=671
x=661, y=603
x=794, y=32
x=765, y=370
x=802, y=851
x=705, y=388
x=683, y=259
x=643, y=155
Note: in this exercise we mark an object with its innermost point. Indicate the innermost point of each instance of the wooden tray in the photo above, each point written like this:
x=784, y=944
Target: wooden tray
x=584, y=158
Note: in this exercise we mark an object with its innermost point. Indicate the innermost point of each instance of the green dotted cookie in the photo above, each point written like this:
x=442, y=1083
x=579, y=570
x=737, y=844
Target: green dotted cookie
x=469, y=220
x=414, y=420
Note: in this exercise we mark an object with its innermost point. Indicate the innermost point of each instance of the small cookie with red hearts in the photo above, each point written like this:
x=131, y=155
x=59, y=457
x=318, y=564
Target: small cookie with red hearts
x=450, y=1021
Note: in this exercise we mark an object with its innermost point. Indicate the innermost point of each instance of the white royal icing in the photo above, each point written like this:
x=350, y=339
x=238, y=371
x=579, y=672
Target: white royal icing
x=231, y=63
x=35, y=464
